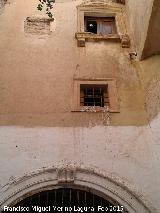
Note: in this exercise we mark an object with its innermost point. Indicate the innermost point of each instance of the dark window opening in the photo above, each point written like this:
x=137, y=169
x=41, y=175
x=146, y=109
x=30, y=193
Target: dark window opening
x=100, y=25
x=94, y=95
x=92, y=26
x=68, y=200
x=120, y=1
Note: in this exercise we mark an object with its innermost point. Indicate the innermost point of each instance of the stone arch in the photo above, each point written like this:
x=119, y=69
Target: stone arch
x=80, y=178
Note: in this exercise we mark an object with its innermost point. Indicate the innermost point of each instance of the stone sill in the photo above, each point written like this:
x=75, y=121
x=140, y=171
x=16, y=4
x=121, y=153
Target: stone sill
x=82, y=37
x=95, y=110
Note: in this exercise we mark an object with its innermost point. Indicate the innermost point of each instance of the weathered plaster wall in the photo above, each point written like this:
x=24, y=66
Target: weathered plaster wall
x=150, y=80
x=129, y=154
x=139, y=13
x=143, y=21
x=152, y=46
x=37, y=71
x=36, y=78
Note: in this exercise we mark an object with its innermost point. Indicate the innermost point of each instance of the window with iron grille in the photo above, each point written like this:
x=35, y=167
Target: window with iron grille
x=94, y=95
x=67, y=200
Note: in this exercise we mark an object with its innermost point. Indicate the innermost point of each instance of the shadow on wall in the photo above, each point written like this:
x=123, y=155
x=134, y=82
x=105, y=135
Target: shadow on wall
x=150, y=79
x=153, y=98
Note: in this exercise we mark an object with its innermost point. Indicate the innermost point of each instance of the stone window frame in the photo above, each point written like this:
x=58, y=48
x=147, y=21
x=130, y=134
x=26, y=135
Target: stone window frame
x=102, y=10
x=112, y=93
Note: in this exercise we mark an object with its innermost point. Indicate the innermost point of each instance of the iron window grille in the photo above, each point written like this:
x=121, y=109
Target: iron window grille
x=68, y=200
x=94, y=95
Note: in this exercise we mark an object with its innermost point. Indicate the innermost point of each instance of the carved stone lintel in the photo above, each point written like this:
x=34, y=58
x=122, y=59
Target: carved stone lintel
x=96, y=2
x=101, y=2
x=65, y=175
x=125, y=41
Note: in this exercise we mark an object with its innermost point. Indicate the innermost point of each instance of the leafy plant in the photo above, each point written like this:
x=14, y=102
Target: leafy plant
x=48, y=6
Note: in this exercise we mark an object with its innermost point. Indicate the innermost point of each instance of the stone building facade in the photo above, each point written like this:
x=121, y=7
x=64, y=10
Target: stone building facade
x=49, y=138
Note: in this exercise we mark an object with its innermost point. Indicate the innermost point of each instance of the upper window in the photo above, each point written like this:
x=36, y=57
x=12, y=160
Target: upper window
x=100, y=25
x=101, y=21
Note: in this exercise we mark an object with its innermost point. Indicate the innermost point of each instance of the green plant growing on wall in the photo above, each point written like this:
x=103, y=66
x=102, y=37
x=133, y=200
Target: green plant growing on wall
x=48, y=5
